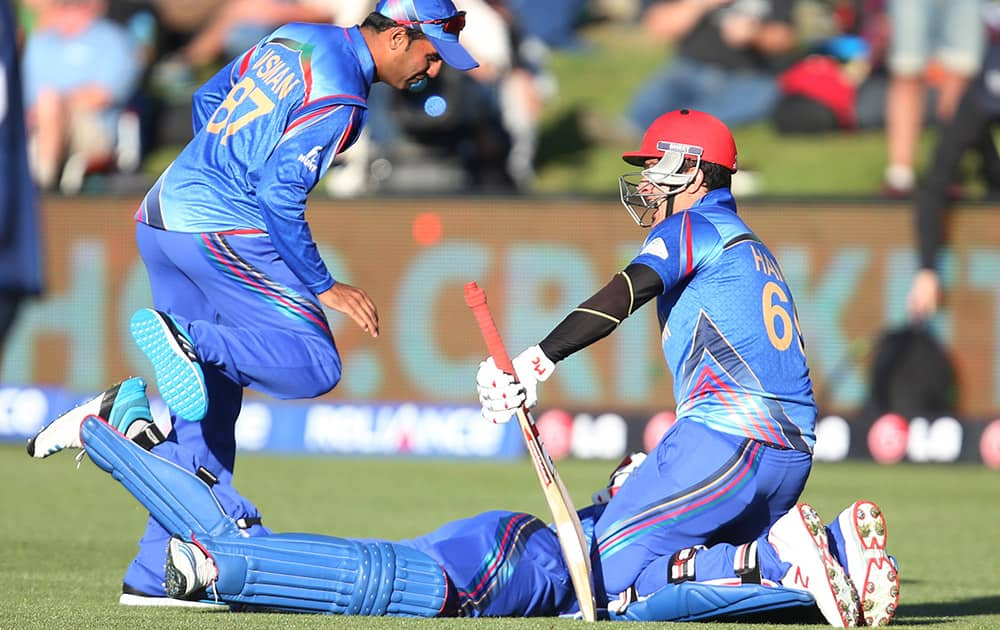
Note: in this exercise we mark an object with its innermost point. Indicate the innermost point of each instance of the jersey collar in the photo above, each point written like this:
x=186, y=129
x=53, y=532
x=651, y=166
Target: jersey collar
x=364, y=55
x=720, y=197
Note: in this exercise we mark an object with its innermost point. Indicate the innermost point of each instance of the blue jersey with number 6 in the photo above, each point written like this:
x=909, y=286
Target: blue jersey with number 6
x=730, y=332
x=267, y=127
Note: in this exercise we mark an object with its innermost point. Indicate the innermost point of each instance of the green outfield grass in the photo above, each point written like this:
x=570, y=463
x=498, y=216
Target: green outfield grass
x=68, y=534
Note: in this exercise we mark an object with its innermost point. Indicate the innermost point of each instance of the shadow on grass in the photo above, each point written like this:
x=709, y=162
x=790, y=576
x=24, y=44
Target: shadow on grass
x=937, y=612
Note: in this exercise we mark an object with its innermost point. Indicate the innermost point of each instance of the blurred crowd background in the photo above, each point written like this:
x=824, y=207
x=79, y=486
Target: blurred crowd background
x=888, y=103
x=856, y=86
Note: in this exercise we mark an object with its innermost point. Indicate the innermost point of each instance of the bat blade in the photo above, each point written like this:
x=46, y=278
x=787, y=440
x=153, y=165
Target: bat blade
x=569, y=530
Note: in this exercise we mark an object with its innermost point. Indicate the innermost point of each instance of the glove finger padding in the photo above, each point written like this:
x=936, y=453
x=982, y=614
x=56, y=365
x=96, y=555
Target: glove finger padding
x=497, y=417
x=499, y=394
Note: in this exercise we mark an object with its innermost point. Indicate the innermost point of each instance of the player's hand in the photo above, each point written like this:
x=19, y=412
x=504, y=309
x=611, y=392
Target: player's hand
x=354, y=303
x=925, y=295
x=500, y=394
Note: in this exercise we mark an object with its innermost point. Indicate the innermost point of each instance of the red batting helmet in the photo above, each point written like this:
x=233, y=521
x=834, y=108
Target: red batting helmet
x=687, y=127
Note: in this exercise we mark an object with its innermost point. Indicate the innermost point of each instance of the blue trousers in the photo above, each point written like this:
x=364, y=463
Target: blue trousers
x=697, y=487
x=254, y=324
x=495, y=564
x=501, y=563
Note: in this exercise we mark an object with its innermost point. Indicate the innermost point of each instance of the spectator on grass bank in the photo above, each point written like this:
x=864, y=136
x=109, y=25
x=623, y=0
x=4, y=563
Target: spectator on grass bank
x=20, y=250
x=553, y=22
x=976, y=118
x=728, y=53
x=80, y=70
x=235, y=26
x=841, y=83
x=935, y=43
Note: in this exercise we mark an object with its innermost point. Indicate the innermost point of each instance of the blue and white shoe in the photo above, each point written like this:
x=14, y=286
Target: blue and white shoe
x=800, y=539
x=189, y=570
x=124, y=406
x=858, y=538
x=178, y=372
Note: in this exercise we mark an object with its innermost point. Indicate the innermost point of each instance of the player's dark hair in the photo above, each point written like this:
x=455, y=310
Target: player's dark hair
x=716, y=175
x=380, y=23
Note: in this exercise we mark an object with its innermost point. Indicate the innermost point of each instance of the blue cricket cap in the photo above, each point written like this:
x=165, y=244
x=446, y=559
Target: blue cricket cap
x=439, y=20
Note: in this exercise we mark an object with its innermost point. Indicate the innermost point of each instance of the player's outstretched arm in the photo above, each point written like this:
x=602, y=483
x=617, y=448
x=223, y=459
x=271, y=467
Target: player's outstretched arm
x=354, y=303
x=500, y=395
x=600, y=314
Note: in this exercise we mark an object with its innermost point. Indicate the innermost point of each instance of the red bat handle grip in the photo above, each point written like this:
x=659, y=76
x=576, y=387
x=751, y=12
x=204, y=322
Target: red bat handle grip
x=475, y=298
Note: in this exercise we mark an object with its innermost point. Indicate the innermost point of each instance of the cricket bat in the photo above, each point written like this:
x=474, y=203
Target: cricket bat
x=564, y=517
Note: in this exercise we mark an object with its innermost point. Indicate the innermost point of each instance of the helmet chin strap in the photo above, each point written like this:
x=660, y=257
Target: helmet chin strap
x=671, y=197
x=670, y=204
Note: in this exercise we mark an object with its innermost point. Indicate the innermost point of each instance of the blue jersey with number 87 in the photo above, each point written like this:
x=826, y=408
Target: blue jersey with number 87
x=267, y=127
x=729, y=328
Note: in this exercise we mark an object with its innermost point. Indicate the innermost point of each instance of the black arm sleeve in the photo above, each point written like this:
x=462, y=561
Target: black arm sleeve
x=601, y=313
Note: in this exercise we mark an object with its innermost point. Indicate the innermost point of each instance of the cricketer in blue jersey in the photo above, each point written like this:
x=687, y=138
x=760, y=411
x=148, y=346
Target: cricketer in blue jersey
x=498, y=563
x=738, y=457
x=237, y=280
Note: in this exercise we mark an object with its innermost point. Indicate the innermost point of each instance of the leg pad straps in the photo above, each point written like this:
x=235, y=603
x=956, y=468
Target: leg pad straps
x=181, y=502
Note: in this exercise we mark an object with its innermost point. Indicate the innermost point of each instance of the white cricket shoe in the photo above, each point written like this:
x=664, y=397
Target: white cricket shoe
x=863, y=528
x=189, y=569
x=140, y=599
x=799, y=537
x=124, y=406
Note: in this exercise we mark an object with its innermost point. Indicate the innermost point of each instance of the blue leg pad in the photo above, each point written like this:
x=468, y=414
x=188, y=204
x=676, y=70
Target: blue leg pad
x=181, y=502
x=322, y=574
x=698, y=601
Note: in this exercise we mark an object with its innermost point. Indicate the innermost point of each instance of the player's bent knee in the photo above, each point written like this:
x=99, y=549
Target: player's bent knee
x=311, y=383
x=332, y=378
x=322, y=381
x=324, y=376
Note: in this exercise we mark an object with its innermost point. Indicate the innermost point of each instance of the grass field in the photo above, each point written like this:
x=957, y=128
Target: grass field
x=68, y=534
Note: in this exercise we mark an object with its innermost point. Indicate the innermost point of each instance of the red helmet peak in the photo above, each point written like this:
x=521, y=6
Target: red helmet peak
x=687, y=127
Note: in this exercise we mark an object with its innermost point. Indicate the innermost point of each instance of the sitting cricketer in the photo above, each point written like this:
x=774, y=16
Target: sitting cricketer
x=497, y=563
x=731, y=470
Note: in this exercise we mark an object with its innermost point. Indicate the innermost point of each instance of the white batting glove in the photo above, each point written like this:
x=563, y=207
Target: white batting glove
x=500, y=396
x=532, y=367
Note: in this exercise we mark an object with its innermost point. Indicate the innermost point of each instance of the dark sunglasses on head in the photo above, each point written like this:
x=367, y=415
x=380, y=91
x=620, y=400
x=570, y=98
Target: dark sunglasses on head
x=452, y=25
